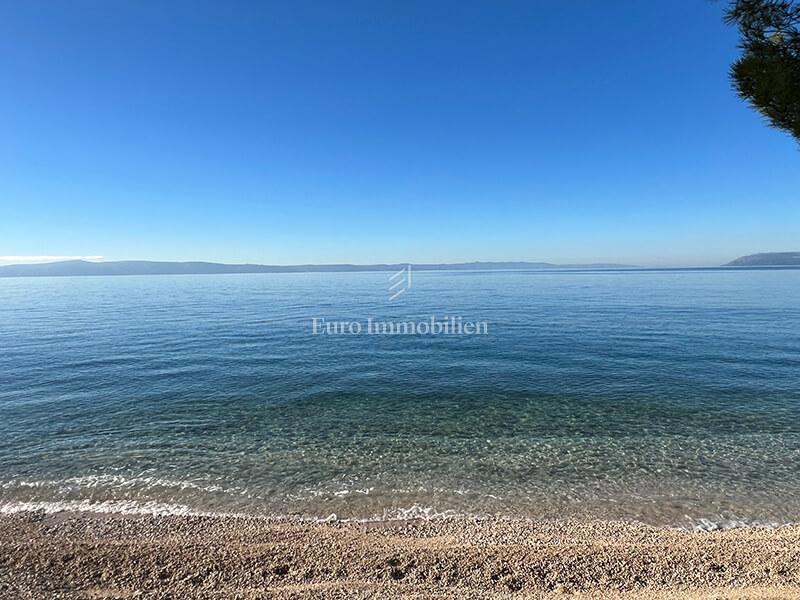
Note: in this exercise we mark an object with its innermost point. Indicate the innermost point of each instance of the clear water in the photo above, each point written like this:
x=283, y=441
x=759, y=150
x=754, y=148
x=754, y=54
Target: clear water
x=669, y=397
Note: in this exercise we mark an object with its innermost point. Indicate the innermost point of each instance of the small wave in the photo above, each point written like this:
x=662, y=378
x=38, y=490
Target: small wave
x=122, y=507
x=152, y=508
x=118, y=481
x=414, y=512
x=721, y=524
x=420, y=512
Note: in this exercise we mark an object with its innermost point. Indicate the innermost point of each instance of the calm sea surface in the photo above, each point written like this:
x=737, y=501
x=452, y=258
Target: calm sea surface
x=670, y=397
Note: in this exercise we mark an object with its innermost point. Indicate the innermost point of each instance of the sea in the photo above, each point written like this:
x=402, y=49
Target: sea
x=665, y=396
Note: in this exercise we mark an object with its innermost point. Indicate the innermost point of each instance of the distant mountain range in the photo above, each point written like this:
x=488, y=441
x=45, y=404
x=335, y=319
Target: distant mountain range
x=71, y=268
x=767, y=259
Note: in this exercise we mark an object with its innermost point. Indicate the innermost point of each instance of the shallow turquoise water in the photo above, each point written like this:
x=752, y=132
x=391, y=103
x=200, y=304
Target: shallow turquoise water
x=670, y=397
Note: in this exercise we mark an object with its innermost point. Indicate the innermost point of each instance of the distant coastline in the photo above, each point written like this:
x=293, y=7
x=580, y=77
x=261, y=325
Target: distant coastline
x=71, y=268
x=767, y=259
x=78, y=268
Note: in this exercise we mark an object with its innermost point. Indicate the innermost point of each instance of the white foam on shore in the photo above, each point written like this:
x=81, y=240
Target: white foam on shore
x=121, y=507
x=722, y=524
x=130, y=507
x=159, y=508
x=152, y=508
x=414, y=512
x=115, y=481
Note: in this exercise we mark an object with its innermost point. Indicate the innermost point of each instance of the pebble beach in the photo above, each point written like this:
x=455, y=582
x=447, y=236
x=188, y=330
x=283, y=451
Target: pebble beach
x=83, y=555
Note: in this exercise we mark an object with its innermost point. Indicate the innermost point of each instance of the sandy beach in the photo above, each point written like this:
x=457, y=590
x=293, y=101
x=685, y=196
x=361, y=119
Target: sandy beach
x=73, y=556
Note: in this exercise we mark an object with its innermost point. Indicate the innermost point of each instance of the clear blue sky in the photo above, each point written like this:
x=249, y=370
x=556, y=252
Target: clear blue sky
x=299, y=132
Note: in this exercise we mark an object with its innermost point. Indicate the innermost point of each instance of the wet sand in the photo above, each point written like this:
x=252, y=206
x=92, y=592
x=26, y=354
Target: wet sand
x=70, y=556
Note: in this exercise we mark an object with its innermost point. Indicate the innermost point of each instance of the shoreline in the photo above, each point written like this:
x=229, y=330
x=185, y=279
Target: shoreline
x=91, y=555
x=416, y=512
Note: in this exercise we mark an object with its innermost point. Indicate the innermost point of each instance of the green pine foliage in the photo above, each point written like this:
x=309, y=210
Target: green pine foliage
x=767, y=75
